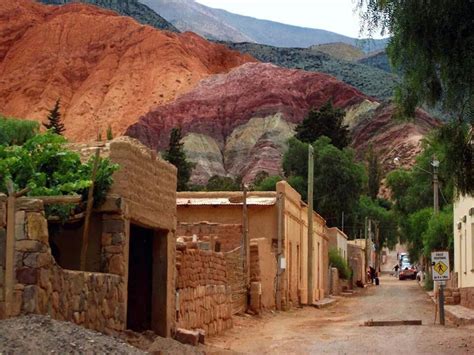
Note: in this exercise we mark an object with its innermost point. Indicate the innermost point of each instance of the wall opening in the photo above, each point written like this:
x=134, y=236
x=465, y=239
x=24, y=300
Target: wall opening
x=147, y=280
x=65, y=241
x=140, y=273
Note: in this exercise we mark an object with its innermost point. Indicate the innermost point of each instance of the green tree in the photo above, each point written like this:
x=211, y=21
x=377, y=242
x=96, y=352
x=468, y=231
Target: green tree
x=222, y=183
x=109, y=133
x=374, y=172
x=176, y=155
x=268, y=183
x=338, y=179
x=325, y=121
x=15, y=131
x=54, y=122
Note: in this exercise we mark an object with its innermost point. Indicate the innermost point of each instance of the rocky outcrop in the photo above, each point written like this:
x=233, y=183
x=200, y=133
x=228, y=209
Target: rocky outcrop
x=106, y=69
x=246, y=115
x=392, y=137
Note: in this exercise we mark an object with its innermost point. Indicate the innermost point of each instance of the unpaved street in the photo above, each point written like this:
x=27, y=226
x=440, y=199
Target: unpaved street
x=338, y=329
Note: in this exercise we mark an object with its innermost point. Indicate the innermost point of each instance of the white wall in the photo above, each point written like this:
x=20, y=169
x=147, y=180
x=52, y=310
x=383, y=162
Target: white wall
x=464, y=241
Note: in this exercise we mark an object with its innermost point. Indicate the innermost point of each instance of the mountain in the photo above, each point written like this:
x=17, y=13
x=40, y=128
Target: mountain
x=378, y=59
x=238, y=123
x=132, y=8
x=340, y=50
x=106, y=69
x=369, y=80
x=217, y=24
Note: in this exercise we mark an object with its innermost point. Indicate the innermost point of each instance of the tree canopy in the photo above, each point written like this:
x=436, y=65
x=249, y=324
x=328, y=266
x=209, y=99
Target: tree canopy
x=16, y=132
x=54, y=122
x=325, y=121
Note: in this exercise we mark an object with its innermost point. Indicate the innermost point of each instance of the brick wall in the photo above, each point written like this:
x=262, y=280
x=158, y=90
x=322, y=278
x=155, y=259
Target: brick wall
x=204, y=295
x=237, y=280
x=228, y=235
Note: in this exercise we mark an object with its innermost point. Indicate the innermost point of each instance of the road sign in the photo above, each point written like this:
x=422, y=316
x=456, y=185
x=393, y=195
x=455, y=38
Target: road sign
x=440, y=265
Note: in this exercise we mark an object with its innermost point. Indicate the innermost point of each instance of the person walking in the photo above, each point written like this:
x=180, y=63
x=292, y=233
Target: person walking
x=396, y=268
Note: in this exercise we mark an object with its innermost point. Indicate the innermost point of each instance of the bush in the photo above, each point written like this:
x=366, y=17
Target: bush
x=16, y=132
x=428, y=283
x=337, y=261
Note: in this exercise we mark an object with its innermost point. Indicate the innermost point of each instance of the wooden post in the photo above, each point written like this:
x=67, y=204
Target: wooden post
x=245, y=222
x=279, y=249
x=310, y=223
x=90, y=202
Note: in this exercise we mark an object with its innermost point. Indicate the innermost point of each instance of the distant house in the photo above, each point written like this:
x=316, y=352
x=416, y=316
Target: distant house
x=266, y=211
x=464, y=248
x=338, y=241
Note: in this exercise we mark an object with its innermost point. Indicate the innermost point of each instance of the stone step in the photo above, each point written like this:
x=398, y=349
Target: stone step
x=459, y=315
x=325, y=302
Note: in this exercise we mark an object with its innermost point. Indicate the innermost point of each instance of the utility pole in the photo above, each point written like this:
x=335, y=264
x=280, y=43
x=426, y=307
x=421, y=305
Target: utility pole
x=310, y=222
x=435, y=165
x=369, y=240
x=342, y=224
x=245, y=220
x=366, y=248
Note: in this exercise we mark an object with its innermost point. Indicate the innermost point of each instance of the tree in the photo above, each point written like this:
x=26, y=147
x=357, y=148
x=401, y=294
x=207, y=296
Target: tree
x=326, y=121
x=432, y=46
x=222, y=183
x=176, y=155
x=54, y=120
x=338, y=179
x=109, y=133
x=374, y=172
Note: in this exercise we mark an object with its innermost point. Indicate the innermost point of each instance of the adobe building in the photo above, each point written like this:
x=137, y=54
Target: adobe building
x=129, y=277
x=276, y=218
x=338, y=241
x=463, y=215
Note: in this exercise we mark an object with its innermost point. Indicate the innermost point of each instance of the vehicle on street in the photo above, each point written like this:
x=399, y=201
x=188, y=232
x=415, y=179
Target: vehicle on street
x=407, y=271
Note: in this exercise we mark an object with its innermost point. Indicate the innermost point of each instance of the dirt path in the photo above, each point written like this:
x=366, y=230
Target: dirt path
x=338, y=330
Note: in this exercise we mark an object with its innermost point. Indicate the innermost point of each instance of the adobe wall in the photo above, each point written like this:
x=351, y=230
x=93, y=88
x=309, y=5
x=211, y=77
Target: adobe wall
x=94, y=300
x=467, y=297
x=3, y=240
x=204, y=296
x=263, y=268
x=228, y=235
x=356, y=262
x=237, y=279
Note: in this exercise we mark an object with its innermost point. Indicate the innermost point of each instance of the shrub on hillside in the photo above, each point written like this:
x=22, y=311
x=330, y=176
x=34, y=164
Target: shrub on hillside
x=16, y=132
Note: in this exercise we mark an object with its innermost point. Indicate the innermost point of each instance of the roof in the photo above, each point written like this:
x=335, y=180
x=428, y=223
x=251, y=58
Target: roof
x=223, y=201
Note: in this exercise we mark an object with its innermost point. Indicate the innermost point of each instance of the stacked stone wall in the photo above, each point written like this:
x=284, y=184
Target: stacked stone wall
x=452, y=295
x=204, y=295
x=237, y=280
x=3, y=241
x=229, y=236
x=467, y=297
x=94, y=300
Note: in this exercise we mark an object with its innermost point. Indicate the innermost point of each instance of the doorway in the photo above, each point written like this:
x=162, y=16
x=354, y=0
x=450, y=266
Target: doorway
x=140, y=277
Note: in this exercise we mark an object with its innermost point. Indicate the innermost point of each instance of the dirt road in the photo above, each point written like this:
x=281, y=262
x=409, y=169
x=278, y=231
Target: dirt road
x=339, y=330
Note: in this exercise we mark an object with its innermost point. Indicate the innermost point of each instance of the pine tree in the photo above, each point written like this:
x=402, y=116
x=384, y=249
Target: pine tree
x=109, y=133
x=54, y=120
x=176, y=155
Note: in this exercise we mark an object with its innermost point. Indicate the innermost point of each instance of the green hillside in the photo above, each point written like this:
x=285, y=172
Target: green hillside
x=369, y=80
x=341, y=50
x=132, y=8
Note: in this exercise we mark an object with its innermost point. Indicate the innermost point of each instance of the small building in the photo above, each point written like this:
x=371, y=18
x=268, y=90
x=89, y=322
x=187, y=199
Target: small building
x=463, y=215
x=277, y=227
x=129, y=276
x=356, y=259
x=338, y=241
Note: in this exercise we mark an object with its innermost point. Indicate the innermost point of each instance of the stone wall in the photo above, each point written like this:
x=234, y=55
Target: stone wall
x=236, y=277
x=356, y=260
x=467, y=297
x=204, y=295
x=94, y=300
x=228, y=235
x=3, y=240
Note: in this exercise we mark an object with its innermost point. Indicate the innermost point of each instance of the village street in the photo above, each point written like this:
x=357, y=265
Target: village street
x=339, y=328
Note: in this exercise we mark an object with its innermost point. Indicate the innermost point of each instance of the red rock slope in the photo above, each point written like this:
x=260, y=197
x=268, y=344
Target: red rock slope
x=106, y=69
x=238, y=123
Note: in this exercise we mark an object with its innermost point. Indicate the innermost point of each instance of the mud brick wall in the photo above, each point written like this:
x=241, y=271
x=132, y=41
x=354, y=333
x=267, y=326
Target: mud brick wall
x=204, y=295
x=452, y=295
x=94, y=300
x=228, y=235
x=467, y=297
x=3, y=240
x=237, y=280
x=145, y=181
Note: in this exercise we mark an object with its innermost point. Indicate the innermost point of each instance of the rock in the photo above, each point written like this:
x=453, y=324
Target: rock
x=116, y=264
x=185, y=336
x=95, y=53
x=28, y=245
x=30, y=299
x=27, y=276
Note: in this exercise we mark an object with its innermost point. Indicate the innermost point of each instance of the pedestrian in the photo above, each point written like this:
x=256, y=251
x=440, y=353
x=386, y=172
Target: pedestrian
x=396, y=268
x=372, y=274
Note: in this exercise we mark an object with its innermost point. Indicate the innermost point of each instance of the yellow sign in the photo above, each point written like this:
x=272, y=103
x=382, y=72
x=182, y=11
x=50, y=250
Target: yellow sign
x=440, y=267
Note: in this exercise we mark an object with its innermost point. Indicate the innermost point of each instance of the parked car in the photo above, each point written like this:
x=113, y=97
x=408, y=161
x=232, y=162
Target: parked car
x=407, y=271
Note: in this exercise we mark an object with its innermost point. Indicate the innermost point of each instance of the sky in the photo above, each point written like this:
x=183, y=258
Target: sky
x=332, y=15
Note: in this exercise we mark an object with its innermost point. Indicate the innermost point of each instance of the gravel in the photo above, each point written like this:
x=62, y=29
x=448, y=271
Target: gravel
x=35, y=334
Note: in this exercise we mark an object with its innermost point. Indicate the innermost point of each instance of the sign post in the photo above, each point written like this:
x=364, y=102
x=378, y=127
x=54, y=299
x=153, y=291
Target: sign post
x=440, y=272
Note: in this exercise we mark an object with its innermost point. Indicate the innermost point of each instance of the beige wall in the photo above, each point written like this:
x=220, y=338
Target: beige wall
x=464, y=241
x=338, y=241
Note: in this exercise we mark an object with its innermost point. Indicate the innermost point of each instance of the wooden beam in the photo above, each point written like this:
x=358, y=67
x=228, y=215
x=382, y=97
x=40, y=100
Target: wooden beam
x=372, y=323
x=90, y=202
x=57, y=200
x=10, y=249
